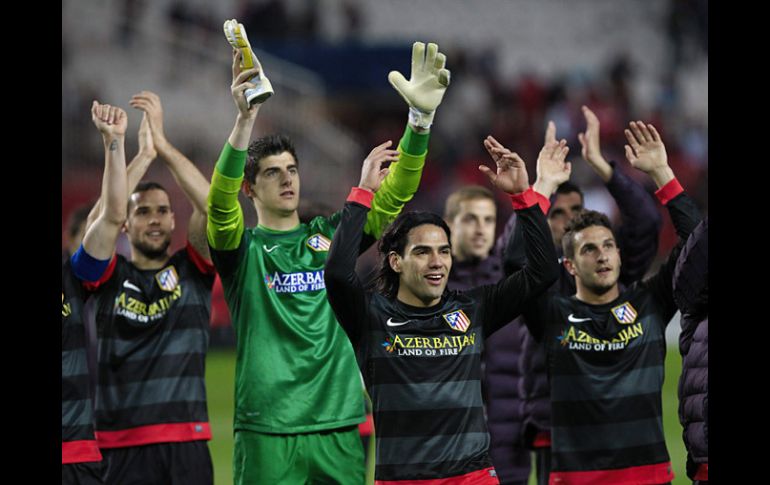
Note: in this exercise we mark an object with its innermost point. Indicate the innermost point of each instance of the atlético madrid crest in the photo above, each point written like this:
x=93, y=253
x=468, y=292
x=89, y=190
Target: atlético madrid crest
x=458, y=320
x=319, y=242
x=167, y=278
x=624, y=313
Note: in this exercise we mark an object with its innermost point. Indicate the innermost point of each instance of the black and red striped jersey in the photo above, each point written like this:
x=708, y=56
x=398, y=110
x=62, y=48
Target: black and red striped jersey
x=153, y=334
x=422, y=366
x=606, y=369
x=77, y=414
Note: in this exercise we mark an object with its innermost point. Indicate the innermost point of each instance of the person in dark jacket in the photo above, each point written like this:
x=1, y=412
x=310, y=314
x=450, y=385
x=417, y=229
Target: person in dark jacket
x=471, y=214
x=637, y=240
x=691, y=296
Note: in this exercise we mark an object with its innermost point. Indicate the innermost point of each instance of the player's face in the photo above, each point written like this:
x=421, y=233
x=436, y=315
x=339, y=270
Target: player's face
x=276, y=186
x=150, y=222
x=565, y=207
x=596, y=263
x=473, y=229
x=425, y=266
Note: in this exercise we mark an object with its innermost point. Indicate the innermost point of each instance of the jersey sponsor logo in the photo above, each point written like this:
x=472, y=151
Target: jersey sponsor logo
x=131, y=286
x=269, y=250
x=428, y=346
x=295, y=282
x=319, y=242
x=624, y=313
x=391, y=323
x=457, y=320
x=167, y=279
x=139, y=312
x=572, y=318
x=576, y=339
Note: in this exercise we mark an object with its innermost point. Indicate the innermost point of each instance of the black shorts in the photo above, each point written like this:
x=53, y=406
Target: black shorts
x=187, y=463
x=90, y=473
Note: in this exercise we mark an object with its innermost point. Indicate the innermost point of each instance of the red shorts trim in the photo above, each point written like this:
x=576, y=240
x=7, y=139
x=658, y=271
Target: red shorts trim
x=487, y=476
x=542, y=440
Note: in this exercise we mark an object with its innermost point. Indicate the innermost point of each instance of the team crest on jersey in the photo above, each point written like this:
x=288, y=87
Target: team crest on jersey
x=624, y=313
x=167, y=279
x=457, y=320
x=319, y=242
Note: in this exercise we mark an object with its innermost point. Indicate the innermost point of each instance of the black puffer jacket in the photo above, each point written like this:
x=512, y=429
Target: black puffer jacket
x=691, y=295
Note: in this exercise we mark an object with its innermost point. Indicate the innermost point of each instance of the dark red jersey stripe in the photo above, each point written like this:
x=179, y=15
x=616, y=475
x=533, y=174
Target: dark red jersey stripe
x=702, y=473
x=82, y=451
x=637, y=475
x=542, y=440
x=154, y=433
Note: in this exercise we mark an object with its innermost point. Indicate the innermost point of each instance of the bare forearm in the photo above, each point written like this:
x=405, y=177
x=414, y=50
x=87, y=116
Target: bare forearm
x=241, y=134
x=602, y=168
x=114, y=191
x=187, y=176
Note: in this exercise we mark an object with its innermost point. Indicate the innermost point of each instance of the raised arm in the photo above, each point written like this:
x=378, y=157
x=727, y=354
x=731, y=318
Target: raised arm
x=646, y=152
x=225, y=217
x=343, y=288
x=505, y=300
x=135, y=170
x=423, y=93
x=552, y=171
x=641, y=221
x=187, y=175
x=90, y=261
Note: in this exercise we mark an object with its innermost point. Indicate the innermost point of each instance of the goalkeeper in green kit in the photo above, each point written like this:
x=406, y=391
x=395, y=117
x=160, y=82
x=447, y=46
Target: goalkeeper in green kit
x=298, y=390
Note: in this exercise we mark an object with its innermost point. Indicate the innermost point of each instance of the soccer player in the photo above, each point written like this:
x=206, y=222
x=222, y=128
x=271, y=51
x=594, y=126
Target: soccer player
x=299, y=395
x=606, y=345
x=420, y=346
x=471, y=214
x=691, y=295
x=81, y=459
x=153, y=331
x=637, y=240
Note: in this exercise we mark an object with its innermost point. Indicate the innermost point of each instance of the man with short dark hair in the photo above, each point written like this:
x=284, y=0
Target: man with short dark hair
x=297, y=383
x=152, y=322
x=420, y=345
x=605, y=345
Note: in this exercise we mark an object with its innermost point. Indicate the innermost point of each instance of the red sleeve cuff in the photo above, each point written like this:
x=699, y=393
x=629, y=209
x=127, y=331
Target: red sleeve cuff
x=669, y=191
x=361, y=196
x=528, y=198
x=205, y=267
x=94, y=285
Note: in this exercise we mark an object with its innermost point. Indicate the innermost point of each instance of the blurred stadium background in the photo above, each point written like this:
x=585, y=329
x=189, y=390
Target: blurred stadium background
x=515, y=64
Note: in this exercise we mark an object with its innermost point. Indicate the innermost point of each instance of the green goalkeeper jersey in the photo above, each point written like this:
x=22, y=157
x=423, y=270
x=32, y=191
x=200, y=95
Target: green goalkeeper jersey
x=295, y=369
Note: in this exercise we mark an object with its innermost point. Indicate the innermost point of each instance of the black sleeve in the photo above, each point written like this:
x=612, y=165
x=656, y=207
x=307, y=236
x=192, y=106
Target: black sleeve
x=505, y=300
x=691, y=273
x=685, y=216
x=366, y=239
x=343, y=288
x=514, y=256
x=640, y=227
x=227, y=262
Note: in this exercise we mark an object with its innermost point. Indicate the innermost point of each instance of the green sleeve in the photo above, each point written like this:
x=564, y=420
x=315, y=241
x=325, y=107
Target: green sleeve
x=225, y=216
x=400, y=185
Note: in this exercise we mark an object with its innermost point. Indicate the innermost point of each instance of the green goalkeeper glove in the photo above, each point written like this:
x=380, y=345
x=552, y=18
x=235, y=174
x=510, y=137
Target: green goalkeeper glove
x=426, y=86
x=236, y=36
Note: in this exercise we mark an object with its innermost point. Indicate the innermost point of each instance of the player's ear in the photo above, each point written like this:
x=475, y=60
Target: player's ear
x=246, y=189
x=394, y=259
x=570, y=266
